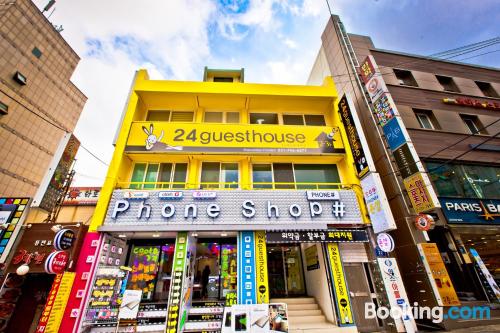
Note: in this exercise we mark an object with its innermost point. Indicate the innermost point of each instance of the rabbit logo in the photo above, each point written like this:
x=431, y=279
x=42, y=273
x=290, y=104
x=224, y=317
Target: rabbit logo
x=151, y=140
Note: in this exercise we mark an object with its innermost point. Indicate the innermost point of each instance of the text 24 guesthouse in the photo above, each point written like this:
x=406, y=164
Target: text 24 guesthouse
x=221, y=193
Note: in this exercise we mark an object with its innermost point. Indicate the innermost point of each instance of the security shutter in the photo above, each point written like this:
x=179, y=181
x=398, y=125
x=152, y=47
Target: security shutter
x=353, y=252
x=182, y=116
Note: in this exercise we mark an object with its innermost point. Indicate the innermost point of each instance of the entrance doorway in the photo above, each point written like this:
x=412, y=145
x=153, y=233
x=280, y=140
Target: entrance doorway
x=215, y=268
x=286, y=275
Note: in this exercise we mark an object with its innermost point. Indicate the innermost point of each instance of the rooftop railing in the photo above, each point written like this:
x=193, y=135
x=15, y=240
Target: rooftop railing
x=232, y=186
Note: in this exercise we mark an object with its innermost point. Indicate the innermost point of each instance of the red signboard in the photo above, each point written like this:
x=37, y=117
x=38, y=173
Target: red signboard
x=44, y=318
x=56, y=262
x=465, y=101
x=82, y=196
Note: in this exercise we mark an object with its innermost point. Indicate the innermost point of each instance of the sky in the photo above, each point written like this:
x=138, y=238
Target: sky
x=276, y=41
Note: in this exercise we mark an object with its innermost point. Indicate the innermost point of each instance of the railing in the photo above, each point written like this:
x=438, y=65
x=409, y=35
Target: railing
x=232, y=186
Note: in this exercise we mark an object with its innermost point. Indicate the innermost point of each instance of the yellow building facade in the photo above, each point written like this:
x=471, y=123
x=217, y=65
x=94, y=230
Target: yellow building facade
x=226, y=198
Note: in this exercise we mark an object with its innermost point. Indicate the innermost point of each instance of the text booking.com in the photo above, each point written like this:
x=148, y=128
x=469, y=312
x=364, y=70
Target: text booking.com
x=436, y=314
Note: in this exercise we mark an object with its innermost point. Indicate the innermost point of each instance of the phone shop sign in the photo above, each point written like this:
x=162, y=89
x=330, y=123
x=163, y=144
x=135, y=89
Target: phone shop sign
x=261, y=209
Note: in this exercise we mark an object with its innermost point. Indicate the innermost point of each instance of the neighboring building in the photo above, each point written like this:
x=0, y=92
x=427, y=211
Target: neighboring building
x=36, y=65
x=445, y=115
x=222, y=193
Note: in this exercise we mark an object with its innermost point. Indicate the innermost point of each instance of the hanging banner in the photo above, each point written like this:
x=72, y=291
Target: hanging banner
x=418, y=193
x=377, y=203
x=261, y=268
x=491, y=287
x=397, y=294
x=246, y=268
x=438, y=275
x=343, y=302
x=174, y=303
x=233, y=138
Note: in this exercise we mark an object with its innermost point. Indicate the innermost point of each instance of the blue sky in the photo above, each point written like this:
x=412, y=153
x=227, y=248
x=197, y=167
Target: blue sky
x=276, y=41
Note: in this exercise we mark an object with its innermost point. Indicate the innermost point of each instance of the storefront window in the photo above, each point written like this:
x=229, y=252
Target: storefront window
x=262, y=176
x=315, y=174
x=467, y=181
x=215, y=175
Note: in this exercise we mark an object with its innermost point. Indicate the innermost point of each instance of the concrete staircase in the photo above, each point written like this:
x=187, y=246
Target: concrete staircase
x=305, y=316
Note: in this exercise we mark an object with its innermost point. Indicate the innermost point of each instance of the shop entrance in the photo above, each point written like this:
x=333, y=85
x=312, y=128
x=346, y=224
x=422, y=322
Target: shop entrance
x=286, y=275
x=215, y=268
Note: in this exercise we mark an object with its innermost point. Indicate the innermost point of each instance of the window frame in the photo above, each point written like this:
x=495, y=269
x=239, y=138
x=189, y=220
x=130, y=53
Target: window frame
x=170, y=113
x=490, y=91
x=428, y=115
x=170, y=184
x=475, y=122
x=452, y=83
x=220, y=184
x=224, y=116
x=402, y=81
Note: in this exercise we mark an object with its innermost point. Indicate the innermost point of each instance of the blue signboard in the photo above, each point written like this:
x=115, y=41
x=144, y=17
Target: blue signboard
x=471, y=211
x=394, y=133
x=246, y=268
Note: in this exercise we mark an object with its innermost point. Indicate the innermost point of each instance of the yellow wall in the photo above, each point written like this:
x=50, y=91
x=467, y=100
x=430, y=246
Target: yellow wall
x=243, y=97
x=73, y=214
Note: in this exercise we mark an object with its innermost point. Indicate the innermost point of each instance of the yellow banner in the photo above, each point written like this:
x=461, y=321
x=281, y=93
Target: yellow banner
x=418, y=193
x=341, y=292
x=232, y=138
x=261, y=267
x=60, y=302
x=436, y=268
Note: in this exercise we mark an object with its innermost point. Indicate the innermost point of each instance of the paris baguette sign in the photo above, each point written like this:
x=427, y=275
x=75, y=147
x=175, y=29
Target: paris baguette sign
x=154, y=137
x=231, y=210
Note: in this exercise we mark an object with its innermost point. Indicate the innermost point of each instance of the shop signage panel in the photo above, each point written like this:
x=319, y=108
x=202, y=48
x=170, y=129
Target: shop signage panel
x=63, y=292
x=321, y=236
x=52, y=185
x=82, y=196
x=405, y=161
x=232, y=138
x=64, y=239
x=488, y=281
x=312, y=259
x=465, y=101
x=368, y=69
x=395, y=134
x=396, y=293
x=377, y=203
x=471, y=211
x=418, y=193
x=356, y=138
x=47, y=310
x=384, y=109
x=234, y=210
x=342, y=298
x=376, y=87
x=438, y=275
x=246, y=267
x=261, y=267
x=15, y=221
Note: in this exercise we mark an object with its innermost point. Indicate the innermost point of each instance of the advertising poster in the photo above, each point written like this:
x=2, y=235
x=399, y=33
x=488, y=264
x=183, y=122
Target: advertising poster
x=418, y=193
x=312, y=260
x=232, y=138
x=174, y=300
x=144, y=264
x=259, y=318
x=377, y=203
x=384, y=109
x=438, y=275
x=396, y=293
x=278, y=317
x=261, y=267
x=14, y=219
x=491, y=286
x=343, y=302
x=246, y=268
x=130, y=304
x=240, y=318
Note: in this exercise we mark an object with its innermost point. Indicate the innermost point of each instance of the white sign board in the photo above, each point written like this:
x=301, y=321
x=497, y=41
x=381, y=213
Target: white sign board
x=130, y=304
x=377, y=203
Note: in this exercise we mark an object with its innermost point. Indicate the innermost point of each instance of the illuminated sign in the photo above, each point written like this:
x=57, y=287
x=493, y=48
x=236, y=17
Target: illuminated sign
x=136, y=195
x=464, y=101
x=170, y=195
x=14, y=208
x=377, y=203
x=395, y=133
x=319, y=236
x=471, y=211
x=233, y=138
x=323, y=195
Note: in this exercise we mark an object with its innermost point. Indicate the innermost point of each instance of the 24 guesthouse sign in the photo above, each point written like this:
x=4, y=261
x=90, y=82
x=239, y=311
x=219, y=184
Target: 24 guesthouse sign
x=232, y=210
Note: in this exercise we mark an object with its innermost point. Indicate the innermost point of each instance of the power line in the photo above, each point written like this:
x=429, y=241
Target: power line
x=50, y=123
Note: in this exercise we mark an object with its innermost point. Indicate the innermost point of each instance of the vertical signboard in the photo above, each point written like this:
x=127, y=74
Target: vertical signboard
x=377, y=203
x=47, y=310
x=56, y=315
x=395, y=133
x=418, y=192
x=397, y=294
x=343, y=302
x=174, y=300
x=52, y=184
x=489, y=283
x=261, y=267
x=438, y=275
x=246, y=268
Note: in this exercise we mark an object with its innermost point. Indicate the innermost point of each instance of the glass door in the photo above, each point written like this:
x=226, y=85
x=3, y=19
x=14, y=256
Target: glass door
x=286, y=276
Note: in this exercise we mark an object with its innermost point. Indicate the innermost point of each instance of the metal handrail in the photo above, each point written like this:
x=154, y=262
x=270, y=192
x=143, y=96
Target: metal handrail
x=232, y=185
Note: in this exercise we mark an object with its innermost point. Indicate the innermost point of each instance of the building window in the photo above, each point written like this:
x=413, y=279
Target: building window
x=405, y=78
x=4, y=108
x=487, y=89
x=447, y=83
x=425, y=118
x=219, y=175
x=223, y=79
x=159, y=175
x=172, y=116
x=465, y=181
x=294, y=176
x=307, y=119
x=222, y=117
x=264, y=118
x=473, y=124
x=36, y=52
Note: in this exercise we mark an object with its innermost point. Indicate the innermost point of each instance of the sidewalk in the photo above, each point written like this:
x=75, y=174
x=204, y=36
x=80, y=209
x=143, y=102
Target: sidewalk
x=477, y=329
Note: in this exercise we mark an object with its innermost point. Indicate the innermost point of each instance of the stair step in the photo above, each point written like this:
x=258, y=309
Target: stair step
x=306, y=319
x=293, y=307
x=314, y=326
x=301, y=300
x=302, y=312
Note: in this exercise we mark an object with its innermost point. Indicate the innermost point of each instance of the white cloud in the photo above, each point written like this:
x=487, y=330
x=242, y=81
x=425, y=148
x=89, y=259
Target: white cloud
x=290, y=43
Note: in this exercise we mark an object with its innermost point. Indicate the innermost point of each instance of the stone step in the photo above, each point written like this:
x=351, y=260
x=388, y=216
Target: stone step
x=294, y=321
x=298, y=300
x=314, y=327
x=293, y=307
x=303, y=312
